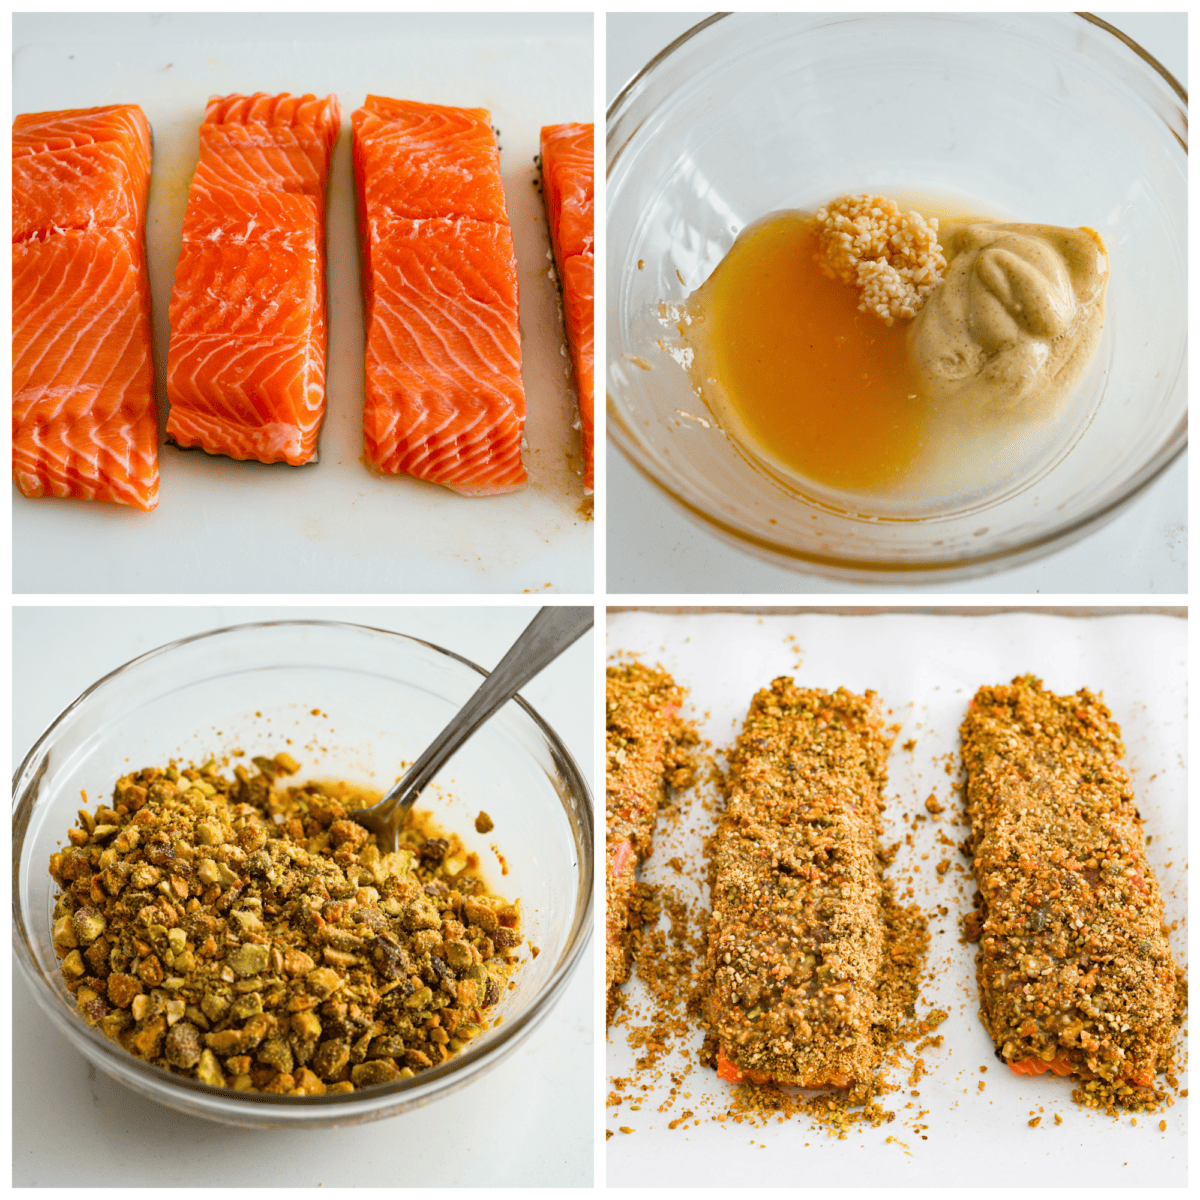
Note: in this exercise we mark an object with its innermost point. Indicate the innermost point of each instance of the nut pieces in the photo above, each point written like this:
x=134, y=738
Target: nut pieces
x=254, y=937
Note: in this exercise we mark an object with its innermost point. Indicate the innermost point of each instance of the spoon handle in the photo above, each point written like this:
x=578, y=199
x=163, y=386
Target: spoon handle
x=544, y=639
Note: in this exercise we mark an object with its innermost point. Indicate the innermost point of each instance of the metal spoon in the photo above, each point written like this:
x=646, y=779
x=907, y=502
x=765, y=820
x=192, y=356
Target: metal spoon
x=544, y=639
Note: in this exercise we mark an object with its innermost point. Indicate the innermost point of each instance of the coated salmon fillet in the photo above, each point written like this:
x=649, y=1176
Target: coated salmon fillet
x=796, y=944
x=246, y=364
x=645, y=743
x=568, y=188
x=444, y=397
x=1068, y=904
x=84, y=419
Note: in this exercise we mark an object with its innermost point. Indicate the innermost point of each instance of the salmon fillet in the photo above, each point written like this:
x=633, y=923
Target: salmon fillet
x=84, y=418
x=445, y=401
x=1075, y=972
x=641, y=729
x=568, y=188
x=796, y=943
x=246, y=363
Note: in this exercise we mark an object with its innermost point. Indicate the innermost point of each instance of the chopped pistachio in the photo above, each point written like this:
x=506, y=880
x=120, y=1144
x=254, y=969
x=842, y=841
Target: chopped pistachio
x=72, y=965
x=246, y=1006
x=227, y=920
x=250, y=959
x=208, y=1071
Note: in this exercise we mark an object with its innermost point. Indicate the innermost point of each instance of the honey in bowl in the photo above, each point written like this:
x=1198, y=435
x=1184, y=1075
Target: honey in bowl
x=822, y=388
x=805, y=348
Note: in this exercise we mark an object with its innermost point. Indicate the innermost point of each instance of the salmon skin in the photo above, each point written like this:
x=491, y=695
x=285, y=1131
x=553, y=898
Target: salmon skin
x=246, y=363
x=568, y=188
x=84, y=418
x=445, y=401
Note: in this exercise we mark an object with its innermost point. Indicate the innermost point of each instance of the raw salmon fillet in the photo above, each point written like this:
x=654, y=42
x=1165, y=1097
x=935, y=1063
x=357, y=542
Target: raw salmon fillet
x=444, y=396
x=568, y=188
x=246, y=363
x=84, y=419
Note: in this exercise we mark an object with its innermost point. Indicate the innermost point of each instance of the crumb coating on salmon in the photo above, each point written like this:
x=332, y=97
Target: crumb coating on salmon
x=796, y=941
x=641, y=707
x=1073, y=962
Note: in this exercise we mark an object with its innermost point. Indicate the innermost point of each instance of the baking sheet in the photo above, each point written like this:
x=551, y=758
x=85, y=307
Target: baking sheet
x=926, y=668
x=332, y=526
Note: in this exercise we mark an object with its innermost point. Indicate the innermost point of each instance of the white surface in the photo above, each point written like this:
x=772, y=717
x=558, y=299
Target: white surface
x=655, y=547
x=527, y=1123
x=925, y=669
x=225, y=526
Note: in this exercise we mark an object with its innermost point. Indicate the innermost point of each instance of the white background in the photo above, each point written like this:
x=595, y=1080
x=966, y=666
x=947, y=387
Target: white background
x=223, y=526
x=925, y=670
x=528, y=1123
x=654, y=547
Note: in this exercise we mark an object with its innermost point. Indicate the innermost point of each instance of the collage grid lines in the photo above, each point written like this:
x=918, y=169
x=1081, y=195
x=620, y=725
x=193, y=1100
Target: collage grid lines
x=240, y=543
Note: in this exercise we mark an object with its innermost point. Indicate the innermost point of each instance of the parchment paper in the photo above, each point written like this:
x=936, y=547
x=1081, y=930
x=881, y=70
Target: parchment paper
x=925, y=668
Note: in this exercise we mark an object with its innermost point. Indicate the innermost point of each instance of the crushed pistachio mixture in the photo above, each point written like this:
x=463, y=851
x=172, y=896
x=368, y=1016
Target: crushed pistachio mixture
x=678, y=965
x=252, y=936
x=1045, y=794
x=1075, y=971
x=649, y=750
x=796, y=959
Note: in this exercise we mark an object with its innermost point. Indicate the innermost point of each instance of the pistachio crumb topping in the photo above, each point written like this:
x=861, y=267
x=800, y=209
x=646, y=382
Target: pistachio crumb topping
x=649, y=750
x=253, y=937
x=805, y=941
x=1075, y=972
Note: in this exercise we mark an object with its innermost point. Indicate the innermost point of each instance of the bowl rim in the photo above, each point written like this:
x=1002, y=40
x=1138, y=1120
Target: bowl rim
x=423, y=1085
x=834, y=566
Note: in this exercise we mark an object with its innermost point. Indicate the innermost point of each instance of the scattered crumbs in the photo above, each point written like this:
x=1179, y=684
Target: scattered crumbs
x=669, y=951
x=1162, y=1126
x=607, y=1134
x=626, y=1129
x=484, y=823
x=910, y=745
x=1035, y=1122
x=1058, y=1120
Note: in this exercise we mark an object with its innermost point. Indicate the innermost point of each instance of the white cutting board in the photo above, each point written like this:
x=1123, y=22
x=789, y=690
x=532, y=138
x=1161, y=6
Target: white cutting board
x=925, y=668
x=329, y=527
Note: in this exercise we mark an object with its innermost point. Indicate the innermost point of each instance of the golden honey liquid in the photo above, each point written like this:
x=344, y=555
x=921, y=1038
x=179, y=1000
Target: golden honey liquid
x=798, y=373
x=824, y=393
x=820, y=387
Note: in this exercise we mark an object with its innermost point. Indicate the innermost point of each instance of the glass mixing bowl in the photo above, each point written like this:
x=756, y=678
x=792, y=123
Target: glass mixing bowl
x=1056, y=119
x=349, y=703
